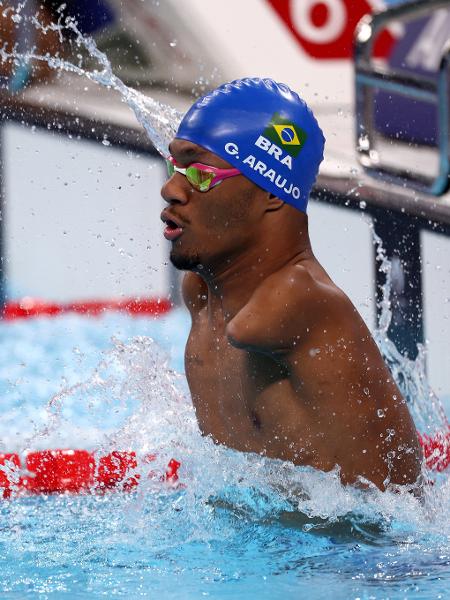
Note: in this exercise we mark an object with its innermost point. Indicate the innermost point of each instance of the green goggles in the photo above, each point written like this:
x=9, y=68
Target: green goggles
x=201, y=177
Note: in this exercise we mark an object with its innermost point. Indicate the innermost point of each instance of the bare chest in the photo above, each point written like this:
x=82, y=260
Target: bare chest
x=233, y=390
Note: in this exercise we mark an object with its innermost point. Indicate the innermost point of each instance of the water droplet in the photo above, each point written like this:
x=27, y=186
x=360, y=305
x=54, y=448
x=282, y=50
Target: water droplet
x=363, y=143
x=381, y=413
x=390, y=434
x=173, y=43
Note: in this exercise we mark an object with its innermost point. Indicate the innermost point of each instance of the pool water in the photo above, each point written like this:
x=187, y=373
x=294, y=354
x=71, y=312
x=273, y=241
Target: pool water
x=240, y=526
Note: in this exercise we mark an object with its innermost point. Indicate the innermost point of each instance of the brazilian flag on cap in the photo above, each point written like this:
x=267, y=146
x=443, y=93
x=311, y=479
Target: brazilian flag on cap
x=285, y=134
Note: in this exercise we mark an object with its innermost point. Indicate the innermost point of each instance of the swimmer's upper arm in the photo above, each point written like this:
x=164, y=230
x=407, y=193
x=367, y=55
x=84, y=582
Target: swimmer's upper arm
x=194, y=292
x=278, y=314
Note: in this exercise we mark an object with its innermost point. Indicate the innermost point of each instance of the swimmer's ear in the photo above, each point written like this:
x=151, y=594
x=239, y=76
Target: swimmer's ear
x=273, y=202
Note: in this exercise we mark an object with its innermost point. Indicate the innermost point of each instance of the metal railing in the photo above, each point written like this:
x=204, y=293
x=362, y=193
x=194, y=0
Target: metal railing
x=369, y=77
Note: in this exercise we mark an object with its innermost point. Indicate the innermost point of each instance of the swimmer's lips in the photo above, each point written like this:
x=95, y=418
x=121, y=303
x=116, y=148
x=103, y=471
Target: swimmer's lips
x=173, y=228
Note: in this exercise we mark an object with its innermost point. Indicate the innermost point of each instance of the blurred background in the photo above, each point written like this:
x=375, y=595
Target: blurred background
x=80, y=179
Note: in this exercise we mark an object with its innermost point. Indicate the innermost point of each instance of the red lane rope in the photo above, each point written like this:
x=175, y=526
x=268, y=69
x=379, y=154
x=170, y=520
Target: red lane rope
x=32, y=307
x=80, y=471
x=436, y=450
x=76, y=471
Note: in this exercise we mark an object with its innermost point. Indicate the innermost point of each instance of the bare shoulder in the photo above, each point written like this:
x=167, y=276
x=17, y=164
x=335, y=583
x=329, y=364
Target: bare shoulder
x=282, y=309
x=195, y=292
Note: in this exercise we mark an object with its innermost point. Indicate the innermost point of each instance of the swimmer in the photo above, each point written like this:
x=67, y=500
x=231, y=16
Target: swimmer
x=278, y=360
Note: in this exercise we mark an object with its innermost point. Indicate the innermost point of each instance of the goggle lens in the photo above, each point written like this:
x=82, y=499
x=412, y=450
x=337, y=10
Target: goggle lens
x=199, y=179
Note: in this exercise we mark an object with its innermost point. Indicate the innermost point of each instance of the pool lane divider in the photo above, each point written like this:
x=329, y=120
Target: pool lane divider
x=31, y=307
x=436, y=449
x=81, y=471
x=76, y=471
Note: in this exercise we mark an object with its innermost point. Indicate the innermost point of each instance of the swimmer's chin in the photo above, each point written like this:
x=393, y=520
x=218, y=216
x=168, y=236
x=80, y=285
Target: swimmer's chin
x=185, y=262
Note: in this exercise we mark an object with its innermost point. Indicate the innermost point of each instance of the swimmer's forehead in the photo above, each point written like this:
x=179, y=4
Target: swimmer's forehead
x=185, y=153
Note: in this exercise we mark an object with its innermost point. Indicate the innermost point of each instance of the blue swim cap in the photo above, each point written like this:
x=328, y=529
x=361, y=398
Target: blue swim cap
x=265, y=130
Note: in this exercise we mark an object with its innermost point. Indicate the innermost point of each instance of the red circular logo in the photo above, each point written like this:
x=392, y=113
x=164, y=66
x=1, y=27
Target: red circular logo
x=325, y=28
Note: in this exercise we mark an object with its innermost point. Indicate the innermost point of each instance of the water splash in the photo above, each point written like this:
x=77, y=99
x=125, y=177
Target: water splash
x=155, y=415
x=159, y=120
x=426, y=408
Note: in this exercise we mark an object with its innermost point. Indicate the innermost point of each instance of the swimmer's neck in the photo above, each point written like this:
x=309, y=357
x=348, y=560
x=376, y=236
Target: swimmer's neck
x=232, y=282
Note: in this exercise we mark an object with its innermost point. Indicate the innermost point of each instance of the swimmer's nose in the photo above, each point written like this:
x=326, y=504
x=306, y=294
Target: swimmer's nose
x=173, y=193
